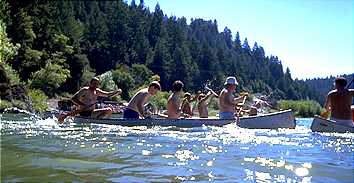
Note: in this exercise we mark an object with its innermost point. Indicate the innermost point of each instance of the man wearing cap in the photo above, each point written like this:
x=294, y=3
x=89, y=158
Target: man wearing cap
x=135, y=107
x=227, y=101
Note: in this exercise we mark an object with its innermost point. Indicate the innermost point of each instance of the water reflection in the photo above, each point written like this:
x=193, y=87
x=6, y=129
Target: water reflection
x=169, y=154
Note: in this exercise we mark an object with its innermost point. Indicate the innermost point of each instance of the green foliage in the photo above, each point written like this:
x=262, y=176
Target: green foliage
x=19, y=104
x=87, y=75
x=49, y=78
x=97, y=36
x=140, y=73
x=7, y=49
x=302, y=108
x=11, y=74
x=39, y=100
x=14, y=103
x=106, y=81
x=124, y=81
x=155, y=78
x=160, y=100
x=5, y=104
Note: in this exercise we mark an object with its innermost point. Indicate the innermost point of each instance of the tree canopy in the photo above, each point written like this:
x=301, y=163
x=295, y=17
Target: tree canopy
x=64, y=42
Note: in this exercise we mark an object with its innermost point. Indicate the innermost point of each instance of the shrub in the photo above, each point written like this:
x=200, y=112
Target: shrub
x=19, y=104
x=39, y=100
x=303, y=108
x=160, y=100
x=5, y=104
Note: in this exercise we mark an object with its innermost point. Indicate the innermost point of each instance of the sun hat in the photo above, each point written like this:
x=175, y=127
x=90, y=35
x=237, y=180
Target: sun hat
x=231, y=80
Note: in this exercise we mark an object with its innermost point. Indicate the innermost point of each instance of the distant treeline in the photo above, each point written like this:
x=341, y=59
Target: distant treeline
x=62, y=44
x=324, y=85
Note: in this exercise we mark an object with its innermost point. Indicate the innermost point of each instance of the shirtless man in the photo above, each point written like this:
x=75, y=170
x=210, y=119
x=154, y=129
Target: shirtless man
x=203, y=105
x=186, y=106
x=86, y=98
x=174, y=101
x=135, y=107
x=227, y=101
x=257, y=107
x=338, y=102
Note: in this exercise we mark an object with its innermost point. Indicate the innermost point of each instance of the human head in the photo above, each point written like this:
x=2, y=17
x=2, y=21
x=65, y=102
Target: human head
x=200, y=96
x=94, y=83
x=187, y=96
x=177, y=86
x=154, y=87
x=231, y=83
x=340, y=82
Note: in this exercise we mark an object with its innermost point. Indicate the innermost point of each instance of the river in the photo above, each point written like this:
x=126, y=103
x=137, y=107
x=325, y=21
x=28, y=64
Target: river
x=43, y=151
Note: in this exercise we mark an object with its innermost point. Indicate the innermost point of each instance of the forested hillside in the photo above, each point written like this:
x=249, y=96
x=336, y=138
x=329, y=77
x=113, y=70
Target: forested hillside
x=324, y=85
x=62, y=44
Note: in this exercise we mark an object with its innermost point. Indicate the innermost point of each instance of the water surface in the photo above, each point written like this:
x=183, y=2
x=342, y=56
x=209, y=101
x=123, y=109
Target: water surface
x=43, y=151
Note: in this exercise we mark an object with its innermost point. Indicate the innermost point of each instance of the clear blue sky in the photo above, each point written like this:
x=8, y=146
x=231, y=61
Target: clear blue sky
x=314, y=38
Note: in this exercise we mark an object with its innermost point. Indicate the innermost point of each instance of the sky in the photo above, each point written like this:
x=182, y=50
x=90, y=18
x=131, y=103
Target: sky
x=314, y=38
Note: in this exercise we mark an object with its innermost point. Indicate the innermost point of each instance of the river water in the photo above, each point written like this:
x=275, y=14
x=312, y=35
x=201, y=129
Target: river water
x=43, y=151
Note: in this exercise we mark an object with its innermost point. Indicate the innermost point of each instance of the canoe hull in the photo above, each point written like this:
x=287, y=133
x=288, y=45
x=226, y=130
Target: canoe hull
x=283, y=119
x=320, y=124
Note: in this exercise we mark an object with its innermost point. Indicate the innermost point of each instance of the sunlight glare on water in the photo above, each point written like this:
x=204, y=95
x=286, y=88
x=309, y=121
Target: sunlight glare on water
x=99, y=153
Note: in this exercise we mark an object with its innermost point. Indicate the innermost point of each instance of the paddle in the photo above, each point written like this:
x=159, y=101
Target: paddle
x=77, y=111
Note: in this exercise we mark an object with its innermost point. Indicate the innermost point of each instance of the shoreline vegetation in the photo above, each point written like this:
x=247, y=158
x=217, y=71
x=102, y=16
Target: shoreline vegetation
x=40, y=103
x=52, y=48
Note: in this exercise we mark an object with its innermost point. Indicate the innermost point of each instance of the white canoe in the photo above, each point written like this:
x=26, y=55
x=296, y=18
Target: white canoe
x=320, y=124
x=282, y=119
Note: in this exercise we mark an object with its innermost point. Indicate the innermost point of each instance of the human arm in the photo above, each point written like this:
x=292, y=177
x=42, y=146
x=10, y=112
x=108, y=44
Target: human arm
x=241, y=99
x=103, y=93
x=141, y=99
x=327, y=107
x=212, y=92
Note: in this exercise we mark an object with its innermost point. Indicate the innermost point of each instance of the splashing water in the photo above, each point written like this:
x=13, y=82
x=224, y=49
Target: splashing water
x=45, y=151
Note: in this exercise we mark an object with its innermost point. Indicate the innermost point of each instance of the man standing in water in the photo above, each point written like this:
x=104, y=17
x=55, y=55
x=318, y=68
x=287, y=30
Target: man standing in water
x=174, y=101
x=227, y=101
x=135, y=107
x=338, y=102
x=86, y=98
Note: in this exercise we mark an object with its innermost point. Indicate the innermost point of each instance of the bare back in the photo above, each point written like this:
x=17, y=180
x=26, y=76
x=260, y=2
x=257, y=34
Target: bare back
x=226, y=101
x=138, y=100
x=173, y=106
x=340, y=102
x=203, y=106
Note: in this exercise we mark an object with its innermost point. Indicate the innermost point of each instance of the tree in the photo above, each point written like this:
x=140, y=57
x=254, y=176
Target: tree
x=124, y=81
x=155, y=28
x=49, y=78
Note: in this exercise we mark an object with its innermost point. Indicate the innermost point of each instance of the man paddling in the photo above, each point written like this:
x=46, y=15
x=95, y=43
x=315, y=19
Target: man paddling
x=338, y=102
x=86, y=98
x=202, y=103
x=186, y=106
x=227, y=101
x=135, y=108
x=174, y=101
